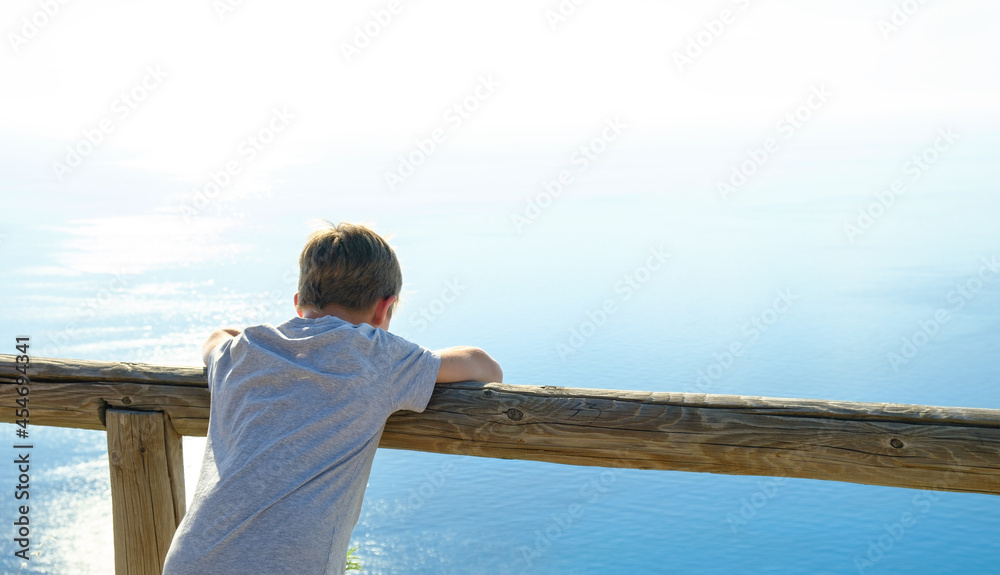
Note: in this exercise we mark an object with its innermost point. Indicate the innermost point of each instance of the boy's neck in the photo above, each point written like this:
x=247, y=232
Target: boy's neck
x=346, y=315
x=350, y=316
x=378, y=316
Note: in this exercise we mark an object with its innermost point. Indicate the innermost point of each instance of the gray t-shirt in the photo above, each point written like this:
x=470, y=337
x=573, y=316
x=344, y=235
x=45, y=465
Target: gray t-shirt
x=297, y=413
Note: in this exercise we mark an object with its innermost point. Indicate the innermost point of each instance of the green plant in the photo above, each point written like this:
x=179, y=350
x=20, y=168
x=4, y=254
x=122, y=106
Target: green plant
x=352, y=562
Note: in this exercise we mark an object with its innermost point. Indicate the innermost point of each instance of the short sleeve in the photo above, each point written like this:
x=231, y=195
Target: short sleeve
x=218, y=355
x=409, y=371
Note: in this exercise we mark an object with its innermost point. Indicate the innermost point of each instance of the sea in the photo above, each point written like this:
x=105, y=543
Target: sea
x=845, y=268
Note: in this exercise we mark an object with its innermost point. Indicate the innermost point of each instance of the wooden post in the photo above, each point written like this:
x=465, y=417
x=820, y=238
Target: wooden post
x=147, y=488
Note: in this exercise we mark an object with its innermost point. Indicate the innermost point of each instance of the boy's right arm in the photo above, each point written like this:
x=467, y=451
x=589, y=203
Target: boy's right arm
x=465, y=363
x=217, y=338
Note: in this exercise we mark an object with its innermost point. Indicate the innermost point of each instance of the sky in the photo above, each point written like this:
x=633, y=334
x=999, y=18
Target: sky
x=215, y=72
x=127, y=115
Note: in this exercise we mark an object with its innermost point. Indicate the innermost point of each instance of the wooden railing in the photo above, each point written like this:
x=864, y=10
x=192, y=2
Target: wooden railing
x=146, y=408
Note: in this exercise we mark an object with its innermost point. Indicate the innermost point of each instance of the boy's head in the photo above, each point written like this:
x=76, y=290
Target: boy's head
x=348, y=269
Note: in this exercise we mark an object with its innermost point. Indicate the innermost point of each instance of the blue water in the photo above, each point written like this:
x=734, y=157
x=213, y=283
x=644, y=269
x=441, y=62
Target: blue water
x=127, y=279
x=120, y=259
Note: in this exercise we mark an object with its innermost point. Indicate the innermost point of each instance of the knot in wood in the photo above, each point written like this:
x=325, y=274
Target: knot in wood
x=142, y=450
x=515, y=414
x=896, y=443
x=488, y=393
x=126, y=400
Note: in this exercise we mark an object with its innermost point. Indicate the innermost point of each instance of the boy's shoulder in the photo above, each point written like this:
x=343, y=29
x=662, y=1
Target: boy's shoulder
x=298, y=336
x=298, y=328
x=329, y=347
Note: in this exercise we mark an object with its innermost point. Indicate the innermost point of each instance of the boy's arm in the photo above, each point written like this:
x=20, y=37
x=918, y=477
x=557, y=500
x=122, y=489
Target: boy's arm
x=217, y=338
x=465, y=363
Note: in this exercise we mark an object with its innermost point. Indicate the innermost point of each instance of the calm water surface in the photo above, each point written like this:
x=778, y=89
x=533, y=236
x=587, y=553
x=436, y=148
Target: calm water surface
x=112, y=275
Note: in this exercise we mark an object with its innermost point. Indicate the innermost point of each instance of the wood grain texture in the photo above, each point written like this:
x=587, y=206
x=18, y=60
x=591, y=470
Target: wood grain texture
x=56, y=369
x=916, y=446
x=146, y=485
x=913, y=446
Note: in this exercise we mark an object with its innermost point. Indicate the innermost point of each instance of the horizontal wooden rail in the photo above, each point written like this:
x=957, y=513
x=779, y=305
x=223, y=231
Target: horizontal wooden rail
x=915, y=446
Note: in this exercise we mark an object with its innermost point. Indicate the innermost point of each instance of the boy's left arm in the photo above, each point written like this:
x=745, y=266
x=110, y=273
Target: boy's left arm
x=218, y=337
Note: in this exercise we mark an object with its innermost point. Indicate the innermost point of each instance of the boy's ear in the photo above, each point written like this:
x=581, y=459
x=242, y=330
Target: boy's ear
x=295, y=300
x=382, y=309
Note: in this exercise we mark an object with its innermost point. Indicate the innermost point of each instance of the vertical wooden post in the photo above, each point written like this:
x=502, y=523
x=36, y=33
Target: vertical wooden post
x=147, y=488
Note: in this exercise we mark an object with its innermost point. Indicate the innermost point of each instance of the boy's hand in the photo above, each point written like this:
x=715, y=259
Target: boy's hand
x=217, y=338
x=465, y=363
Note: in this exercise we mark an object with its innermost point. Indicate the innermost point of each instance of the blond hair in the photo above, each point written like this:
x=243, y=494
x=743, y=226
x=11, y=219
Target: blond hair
x=347, y=265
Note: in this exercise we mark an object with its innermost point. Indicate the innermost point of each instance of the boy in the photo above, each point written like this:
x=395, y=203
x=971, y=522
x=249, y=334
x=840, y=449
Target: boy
x=298, y=410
